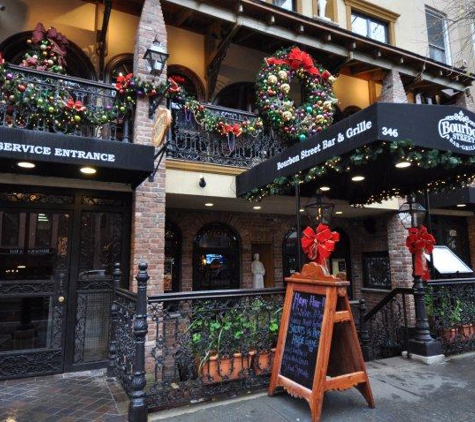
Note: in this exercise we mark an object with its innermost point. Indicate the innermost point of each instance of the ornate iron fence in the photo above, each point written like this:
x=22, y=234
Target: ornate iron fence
x=384, y=330
x=48, y=102
x=450, y=306
x=210, y=344
x=189, y=141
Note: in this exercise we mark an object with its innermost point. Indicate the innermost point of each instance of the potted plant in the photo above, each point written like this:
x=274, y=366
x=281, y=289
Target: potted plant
x=216, y=336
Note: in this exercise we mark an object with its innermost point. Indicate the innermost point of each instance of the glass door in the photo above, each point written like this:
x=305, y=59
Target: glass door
x=34, y=275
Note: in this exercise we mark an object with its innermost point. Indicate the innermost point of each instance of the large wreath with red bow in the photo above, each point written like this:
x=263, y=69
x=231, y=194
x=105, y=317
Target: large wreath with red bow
x=273, y=87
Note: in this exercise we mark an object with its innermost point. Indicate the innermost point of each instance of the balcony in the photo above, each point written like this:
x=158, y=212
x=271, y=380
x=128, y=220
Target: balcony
x=48, y=102
x=60, y=124
x=192, y=142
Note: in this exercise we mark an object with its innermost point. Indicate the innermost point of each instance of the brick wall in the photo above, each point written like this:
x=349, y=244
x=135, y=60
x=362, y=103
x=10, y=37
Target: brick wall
x=251, y=228
x=148, y=227
x=393, y=89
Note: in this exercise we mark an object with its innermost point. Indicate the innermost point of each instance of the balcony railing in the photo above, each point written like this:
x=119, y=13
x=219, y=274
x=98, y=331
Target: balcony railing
x=189, y=141
x=48, y=102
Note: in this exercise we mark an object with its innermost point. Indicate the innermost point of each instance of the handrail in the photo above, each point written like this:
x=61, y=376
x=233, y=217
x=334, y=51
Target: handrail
x=126, y=293
x=67, y=78
x=213, y=294
x=451, y=281
x=387, y=299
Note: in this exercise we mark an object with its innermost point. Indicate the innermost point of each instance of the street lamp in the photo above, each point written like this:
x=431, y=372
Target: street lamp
x=156, y=57
x=412, y=215
x=319, y=209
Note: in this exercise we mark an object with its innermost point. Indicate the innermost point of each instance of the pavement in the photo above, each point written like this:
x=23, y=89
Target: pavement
x=404, y=391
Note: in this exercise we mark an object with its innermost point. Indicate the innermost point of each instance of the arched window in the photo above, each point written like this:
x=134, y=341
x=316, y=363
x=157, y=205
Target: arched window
x=240, y=95
x=188, y=79
x=78, y=64
x=120, y=64
x=216, y=258
x=171, y=276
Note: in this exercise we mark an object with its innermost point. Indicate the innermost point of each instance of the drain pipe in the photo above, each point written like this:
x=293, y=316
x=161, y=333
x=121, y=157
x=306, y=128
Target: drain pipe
x=101, y=39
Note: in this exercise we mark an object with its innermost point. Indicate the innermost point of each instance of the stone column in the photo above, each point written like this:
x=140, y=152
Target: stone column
x=148, y=221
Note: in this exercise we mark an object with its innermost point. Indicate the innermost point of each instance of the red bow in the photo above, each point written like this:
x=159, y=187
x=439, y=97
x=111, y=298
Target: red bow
x=272, y=60
x=319, y=244
x=419, y=241
x=174, y=87
x=77, y=105
x=2, y=60
x=298, y=58
x=123, y=81
x=225, y=129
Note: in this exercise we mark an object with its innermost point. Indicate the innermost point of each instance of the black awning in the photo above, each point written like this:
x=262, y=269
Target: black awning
x=59, y=155
x=452, y=198
x=369, y=143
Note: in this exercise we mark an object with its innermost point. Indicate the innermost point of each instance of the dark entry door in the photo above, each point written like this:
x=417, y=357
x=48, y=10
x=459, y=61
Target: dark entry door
x=57, y=252
x=34, y=277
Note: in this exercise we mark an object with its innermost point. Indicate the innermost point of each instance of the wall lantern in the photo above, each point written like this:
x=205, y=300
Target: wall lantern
x=156, y=57
x=319, y=210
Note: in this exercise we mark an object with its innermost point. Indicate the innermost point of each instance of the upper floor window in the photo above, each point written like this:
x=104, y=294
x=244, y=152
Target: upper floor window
x=370, y=27
x=437, y=36
x=371, y=21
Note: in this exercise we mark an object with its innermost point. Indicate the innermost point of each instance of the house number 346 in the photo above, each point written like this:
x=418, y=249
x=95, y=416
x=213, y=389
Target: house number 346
x=390, y=132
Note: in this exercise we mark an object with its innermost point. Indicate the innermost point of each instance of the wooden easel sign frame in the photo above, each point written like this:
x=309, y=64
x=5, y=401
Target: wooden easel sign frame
x=318, y=348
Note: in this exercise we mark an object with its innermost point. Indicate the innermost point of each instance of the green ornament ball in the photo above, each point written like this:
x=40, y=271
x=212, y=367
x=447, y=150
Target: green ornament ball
x=302, y=137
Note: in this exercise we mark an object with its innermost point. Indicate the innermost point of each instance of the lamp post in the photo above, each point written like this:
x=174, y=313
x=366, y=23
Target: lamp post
x=319, y=210
x=412, y=215
x=156, y=57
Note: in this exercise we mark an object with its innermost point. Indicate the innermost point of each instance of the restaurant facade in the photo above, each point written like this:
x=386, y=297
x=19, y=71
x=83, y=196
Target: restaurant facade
x=78, y=196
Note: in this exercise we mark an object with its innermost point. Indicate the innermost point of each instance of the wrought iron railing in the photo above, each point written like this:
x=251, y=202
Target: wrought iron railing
x=450, y=306
x=211, y=344
x=48, y=102
x=189, y=141
x=122, y=343
x=384, y=330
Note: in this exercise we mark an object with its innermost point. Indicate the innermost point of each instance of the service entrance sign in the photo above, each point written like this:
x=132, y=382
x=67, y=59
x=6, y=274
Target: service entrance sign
x=318, y=348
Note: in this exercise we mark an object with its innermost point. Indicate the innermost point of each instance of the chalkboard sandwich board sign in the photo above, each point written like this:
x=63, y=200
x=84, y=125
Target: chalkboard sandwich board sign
x=318, y=348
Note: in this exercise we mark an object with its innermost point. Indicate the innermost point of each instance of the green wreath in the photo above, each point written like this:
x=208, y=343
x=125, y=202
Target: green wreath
x=273, y=86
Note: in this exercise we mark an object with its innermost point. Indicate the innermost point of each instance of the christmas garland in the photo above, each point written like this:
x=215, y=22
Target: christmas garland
x=401, y=150
x=273, y=88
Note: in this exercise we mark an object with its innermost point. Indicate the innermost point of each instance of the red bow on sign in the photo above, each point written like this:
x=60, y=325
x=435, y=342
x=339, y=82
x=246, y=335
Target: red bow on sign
x=419, y=241
x=318, y=245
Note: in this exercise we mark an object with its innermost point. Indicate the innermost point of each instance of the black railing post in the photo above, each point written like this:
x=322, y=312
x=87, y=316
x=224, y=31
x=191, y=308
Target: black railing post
x=116, y=276
x=126, y=130
x=422, y=344
x=138, y=406
x=364, y=335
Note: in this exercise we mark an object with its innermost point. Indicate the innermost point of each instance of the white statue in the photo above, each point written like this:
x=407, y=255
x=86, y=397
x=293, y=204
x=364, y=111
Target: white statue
x=322, y=4
x=258, y=272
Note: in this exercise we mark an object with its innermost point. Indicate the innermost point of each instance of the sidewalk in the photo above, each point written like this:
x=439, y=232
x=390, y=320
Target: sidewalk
x=404, y=391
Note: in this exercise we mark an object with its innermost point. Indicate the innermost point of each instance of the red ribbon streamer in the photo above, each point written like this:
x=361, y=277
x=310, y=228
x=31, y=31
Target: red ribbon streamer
x=318, y=245
x=419, y=241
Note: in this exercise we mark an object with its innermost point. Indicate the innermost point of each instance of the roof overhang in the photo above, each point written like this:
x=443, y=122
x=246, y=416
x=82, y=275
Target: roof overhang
x=58, y=155
x=369, y=143
x=263, y=26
